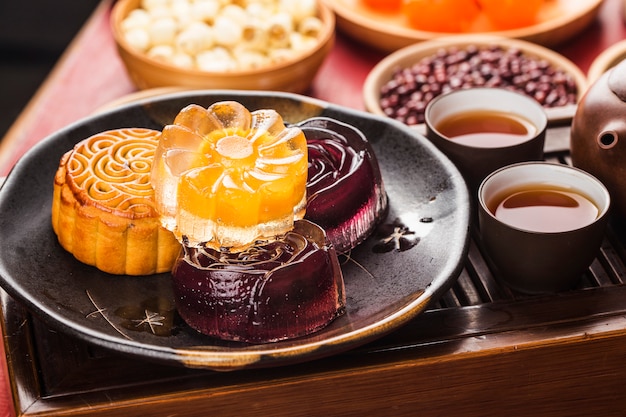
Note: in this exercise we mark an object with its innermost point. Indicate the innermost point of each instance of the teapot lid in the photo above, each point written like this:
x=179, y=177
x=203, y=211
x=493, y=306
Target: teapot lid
x=617, y=80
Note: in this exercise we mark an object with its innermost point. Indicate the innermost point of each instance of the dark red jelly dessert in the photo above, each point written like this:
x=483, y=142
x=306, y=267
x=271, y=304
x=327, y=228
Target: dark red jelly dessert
x=272, y=291
x=345, y=192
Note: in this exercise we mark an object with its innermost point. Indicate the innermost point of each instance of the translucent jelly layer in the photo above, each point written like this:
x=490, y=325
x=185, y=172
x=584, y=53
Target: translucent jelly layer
x=283, y=289
x=345, y=191
x=225, y=177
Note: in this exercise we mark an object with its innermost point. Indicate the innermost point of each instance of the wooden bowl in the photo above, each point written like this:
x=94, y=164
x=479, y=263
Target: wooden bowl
x=607, y=59
x=292, y=75
x=558, y=21
x=405, y=57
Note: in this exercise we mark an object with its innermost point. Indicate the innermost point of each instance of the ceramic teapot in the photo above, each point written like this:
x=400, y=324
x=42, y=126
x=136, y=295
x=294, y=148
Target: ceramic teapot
x=598, y=134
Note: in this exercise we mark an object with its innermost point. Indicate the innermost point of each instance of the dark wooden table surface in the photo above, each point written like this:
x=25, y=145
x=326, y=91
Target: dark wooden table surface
x=481, y=351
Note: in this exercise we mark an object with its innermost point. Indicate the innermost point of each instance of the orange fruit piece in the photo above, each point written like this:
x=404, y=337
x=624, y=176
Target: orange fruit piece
x=386, y=6
x=451, y=16
x=226, y=177
x=511, y=14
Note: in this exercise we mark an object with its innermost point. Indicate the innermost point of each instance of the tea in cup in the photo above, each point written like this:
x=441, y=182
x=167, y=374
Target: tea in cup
x=541, y=224
x=482, y=129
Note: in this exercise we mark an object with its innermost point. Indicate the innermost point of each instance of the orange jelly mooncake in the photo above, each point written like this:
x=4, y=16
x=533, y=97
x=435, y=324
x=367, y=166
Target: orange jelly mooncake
x=103, y=208
x=226, y=177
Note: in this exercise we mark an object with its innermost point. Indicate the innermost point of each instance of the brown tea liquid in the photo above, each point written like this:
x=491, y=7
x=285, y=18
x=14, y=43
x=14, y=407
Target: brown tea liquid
x=487, y=128
x=541, y=209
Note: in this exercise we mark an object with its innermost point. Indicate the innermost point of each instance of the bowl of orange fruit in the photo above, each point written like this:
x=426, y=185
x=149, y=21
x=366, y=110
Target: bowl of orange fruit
x=389, y=25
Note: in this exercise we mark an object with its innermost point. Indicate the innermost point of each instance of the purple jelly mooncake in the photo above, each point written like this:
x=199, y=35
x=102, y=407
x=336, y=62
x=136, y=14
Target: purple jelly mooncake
x=345, y=192
x=275, y=290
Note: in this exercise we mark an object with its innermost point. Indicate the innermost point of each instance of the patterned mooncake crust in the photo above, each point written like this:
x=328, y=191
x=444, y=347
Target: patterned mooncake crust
x=103, y=204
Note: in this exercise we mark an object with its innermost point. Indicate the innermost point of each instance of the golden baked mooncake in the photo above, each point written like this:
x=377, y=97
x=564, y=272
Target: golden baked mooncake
x=103, y=208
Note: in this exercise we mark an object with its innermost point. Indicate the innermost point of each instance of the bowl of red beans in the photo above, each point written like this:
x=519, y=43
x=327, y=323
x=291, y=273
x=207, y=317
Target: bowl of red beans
x=211, y=44
x=402, y=84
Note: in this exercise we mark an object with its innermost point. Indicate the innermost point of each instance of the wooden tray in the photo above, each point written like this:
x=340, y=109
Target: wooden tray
x=480, y=350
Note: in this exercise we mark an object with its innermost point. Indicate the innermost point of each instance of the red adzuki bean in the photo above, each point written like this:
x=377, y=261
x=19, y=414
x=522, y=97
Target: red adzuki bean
x=410, y=89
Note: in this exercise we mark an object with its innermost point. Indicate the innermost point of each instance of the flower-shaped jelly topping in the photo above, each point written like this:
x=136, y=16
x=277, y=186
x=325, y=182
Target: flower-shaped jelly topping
x=225, y=177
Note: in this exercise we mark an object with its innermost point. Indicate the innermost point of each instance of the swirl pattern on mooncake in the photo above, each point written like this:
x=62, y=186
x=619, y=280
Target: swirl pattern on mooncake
x=103, y=208
x=112, y=170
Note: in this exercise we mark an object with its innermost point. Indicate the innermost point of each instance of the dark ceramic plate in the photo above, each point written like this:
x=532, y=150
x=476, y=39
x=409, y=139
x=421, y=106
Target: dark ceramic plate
x=390, y=278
